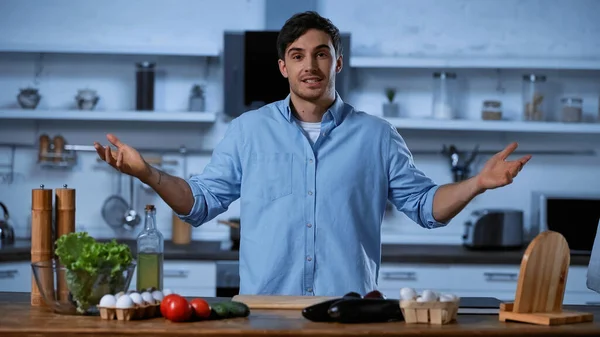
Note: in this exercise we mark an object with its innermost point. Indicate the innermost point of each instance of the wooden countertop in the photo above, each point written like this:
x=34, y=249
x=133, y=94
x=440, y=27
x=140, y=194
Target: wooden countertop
x=18, y=318
x=390, y=253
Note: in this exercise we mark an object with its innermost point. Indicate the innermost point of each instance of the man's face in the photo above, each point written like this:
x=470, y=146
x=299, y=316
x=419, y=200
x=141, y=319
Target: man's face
x=310, y=65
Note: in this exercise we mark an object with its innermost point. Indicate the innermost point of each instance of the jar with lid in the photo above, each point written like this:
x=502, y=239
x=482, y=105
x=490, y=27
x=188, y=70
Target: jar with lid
x=491, y=110
x=150, y=253
x=534, y=97
x=444, y=95
x=572, y=109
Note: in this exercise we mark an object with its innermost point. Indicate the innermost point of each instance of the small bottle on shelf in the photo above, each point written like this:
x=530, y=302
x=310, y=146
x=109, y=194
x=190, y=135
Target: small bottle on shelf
x=150, y=253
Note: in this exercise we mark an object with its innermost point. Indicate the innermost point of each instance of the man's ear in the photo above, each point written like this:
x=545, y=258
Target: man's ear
x=282, y=68
x=339, y=64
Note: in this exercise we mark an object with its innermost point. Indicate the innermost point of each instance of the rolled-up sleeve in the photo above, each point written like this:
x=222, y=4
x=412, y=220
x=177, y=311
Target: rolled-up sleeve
x=219, y=183
x=410, y=190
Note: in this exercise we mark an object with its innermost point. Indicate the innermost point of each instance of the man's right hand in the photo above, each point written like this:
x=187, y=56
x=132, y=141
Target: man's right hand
x=125, y=158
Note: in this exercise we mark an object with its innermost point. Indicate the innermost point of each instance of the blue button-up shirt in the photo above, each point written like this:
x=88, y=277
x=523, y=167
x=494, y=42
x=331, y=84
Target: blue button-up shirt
x=311, y=214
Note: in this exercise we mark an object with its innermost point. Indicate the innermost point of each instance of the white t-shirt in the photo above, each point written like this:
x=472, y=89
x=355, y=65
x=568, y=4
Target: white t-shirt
x=311, y=129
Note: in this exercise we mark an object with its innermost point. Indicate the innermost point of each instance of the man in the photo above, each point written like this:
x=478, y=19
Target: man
x=313, y=176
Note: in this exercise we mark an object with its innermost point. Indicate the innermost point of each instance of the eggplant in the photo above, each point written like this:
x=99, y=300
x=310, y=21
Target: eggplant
x=319, y=312
x=365, y=310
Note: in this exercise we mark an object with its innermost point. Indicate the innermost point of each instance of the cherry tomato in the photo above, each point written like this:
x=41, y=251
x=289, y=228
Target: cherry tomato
x=177, y=308
x=201, y=308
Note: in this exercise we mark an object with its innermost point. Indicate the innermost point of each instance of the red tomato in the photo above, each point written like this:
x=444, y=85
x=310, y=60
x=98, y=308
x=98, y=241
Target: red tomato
x=165, y=302
x=176, y=308
x=201, y=308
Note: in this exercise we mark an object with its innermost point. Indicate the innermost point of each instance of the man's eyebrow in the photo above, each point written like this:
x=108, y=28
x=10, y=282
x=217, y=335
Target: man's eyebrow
x=321, y=46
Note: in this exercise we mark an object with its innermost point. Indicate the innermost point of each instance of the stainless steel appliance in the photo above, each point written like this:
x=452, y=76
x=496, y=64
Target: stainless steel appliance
x=574, y=215
x=492, y=229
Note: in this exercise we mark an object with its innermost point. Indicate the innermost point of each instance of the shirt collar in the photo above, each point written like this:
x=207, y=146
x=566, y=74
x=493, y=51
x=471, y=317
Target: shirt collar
x=336, y=110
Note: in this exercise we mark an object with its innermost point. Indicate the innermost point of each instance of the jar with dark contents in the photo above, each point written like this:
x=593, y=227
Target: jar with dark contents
x=572, y=109
x=491, y=110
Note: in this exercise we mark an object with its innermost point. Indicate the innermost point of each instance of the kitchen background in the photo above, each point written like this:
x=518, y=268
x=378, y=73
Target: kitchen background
x=397, y=44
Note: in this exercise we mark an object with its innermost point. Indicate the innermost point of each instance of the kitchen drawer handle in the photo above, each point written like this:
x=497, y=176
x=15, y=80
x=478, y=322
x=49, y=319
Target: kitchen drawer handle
x=503, y=277
x=8, y=273
x=400, y=276
x=176, y=273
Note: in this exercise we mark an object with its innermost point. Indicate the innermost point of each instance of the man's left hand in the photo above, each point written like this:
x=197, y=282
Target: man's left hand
x=498, y=171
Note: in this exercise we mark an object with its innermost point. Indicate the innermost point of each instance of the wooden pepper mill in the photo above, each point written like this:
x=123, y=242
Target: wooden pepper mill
x=64, y=205
x=41, y=244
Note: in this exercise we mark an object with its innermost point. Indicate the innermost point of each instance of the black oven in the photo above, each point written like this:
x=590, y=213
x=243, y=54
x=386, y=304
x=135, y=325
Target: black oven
x=228, y=278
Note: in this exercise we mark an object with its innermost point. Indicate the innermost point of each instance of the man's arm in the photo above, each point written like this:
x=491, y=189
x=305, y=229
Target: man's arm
x=174, y=191
x=450, y=199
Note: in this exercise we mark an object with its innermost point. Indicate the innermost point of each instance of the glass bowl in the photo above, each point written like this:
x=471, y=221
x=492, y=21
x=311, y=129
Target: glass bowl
x=78, y=292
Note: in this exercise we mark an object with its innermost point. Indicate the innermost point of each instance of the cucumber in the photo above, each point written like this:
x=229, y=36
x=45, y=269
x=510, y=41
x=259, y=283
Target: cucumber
x=230, y=309
x=238, y=309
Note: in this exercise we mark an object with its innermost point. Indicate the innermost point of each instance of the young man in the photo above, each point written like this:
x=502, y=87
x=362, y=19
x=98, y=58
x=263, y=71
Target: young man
x=313, y=176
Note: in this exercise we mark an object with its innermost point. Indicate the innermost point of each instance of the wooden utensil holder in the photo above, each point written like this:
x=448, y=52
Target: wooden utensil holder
x=541, y=285
x=429, y=312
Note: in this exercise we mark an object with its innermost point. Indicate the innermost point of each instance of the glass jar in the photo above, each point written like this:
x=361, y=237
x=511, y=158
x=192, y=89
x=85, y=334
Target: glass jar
x=534, y=97
x=572, y=109
x=444, y=95
x=491, y=110
x=150, y=253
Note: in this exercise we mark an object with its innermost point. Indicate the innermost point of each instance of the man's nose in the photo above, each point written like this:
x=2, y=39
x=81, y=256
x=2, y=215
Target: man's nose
x=311, y=65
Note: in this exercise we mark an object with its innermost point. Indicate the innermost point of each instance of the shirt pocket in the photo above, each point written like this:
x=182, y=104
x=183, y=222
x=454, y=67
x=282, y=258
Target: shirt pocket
x=272, y=175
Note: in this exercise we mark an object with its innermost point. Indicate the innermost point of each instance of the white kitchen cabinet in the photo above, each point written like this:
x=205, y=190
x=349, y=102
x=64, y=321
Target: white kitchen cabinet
x=188, y=278
x=394, y=276
x=15, y=276
x=475, y=280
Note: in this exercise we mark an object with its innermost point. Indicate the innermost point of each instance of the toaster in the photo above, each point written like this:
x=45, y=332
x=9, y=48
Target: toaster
x=490, y=229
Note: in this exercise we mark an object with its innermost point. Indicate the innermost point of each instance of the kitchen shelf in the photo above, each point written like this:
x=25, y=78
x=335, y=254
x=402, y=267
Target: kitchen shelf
x=474, y=62
x=198, y=51
x=495, y=126
x=110, y=115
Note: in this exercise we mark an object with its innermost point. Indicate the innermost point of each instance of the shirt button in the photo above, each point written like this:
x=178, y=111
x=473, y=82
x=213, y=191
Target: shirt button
x=309, y=258
x=310, y=160
x=309, y=225
x=324, y=134
x=309, y=192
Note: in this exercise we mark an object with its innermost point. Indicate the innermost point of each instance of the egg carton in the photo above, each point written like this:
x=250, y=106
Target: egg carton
x=432, y=312
x=144, y=311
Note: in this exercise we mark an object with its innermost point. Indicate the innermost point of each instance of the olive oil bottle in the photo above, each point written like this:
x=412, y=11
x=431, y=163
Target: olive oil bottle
x=150, y=253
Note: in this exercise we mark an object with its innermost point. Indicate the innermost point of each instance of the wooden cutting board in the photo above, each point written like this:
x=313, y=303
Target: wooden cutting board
x=279, y=301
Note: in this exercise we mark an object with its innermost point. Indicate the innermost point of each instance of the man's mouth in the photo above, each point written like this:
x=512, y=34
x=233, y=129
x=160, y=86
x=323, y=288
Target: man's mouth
x=312, y=80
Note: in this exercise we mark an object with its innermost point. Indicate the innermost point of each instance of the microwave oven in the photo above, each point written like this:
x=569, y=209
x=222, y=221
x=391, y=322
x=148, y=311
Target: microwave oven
x=251, y=72
x=574, y=215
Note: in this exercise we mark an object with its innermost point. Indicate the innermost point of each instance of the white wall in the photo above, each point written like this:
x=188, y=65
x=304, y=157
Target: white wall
x=474, y=28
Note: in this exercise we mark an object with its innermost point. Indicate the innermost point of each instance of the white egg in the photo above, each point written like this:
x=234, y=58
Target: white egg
x=125, y=302
x=446, y=298
x=408, y=294
x=108, y=301
x=136, y=298
x=147, y=297
x=421, y=299
x=167, y=292
x=429, y=296
x=119, y=294
x=157, y=295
